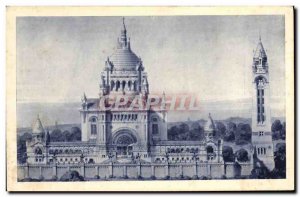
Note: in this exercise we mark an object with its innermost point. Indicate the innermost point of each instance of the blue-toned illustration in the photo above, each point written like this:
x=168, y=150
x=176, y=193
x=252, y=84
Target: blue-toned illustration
x=126, y=131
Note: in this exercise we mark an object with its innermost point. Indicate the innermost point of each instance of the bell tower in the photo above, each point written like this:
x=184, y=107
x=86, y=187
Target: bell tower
x=261, y=116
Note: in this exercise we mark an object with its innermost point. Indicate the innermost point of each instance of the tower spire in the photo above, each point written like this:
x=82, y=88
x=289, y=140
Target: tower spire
x=123, y=40
x=124, y=26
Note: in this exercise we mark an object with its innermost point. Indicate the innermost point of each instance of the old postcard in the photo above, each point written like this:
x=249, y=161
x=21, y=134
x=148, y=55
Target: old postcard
x=150, y=98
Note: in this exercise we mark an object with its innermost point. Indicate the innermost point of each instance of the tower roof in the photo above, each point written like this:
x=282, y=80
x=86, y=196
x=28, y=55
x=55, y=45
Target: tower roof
x=260, y=51
x=123, y=57
x=209, y=125
x=37, y=127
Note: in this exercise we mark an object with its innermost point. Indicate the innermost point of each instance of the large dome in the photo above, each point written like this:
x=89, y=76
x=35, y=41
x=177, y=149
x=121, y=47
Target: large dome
x=124, y=59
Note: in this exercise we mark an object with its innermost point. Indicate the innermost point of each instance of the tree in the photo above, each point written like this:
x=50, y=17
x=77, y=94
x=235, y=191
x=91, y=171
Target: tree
x=227, y=153
x=183, y=128
x=21, y=146
x=229, y=136
x=280, y=162
x=276, y=129
x=243, y=134
x=242, y=155
x=75, y=134
x=282, y=133
x=231, y=126
x=276, y=126
x=173, y=132
x=230, y=132
x=66, y=136
x=196, y=132
x=221, y=129
x=56, y=136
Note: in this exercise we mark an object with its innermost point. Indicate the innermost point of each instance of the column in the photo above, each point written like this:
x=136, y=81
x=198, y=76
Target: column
x=97, y=170
x=152, y=170
x=110, y=168
x=54, y=171
x=167, y=169
x=209, y=170
x=41, y=172
x=26, y=171
x=181, y=169
x=196, y=169
x=82, y=167
x=139, y=169
x=124, y=170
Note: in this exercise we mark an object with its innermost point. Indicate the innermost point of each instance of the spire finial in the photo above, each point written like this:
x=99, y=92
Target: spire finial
x=124, y=26
x=259, y=38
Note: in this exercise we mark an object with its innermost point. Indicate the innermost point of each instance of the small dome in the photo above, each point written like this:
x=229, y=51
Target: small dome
x=124, y=59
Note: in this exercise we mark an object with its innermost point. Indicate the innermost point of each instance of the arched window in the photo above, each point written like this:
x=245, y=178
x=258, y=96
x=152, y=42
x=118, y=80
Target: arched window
x=209, y=149
x=93, y=121
x=155, y=129
x=130, y=85
x=91, y=161
x=154, y=119
x=210, y=153
x=38, y=151
x=112, y=85
x=135, y=85
x=123, y=85
x=117, y=85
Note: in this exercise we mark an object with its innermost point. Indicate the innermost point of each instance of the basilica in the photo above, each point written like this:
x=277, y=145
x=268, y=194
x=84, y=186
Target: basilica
x=123, y=136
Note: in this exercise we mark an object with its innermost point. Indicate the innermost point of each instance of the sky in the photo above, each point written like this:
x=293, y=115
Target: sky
x=59, y=58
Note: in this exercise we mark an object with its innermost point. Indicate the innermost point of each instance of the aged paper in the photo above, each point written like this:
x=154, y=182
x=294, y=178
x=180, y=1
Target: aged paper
x=150, y=98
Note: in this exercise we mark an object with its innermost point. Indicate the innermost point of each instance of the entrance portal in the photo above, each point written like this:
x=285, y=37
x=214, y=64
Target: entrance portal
x=123, y=142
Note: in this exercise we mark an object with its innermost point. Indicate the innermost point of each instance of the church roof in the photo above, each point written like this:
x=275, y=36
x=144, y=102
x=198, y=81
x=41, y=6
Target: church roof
x=37, y=127
x=260, y=51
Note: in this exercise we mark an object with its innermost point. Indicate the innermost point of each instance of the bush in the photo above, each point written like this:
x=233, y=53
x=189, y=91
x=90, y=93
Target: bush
x=152, y=177
x=111, y=176
x=41, y=178
x=125, y=177
x=242, y=155
x=54, y=178
x=97, y=177
x=203, y=178
x=167, y=177
x=223, y=177
x=195, y=177
x=228, y=154
x=237, y=177
x=71, y=176
x=30, y=180
x=140, y=177
x=187, y=178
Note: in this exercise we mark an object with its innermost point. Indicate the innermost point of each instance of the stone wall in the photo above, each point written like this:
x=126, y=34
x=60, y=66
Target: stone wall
x=139, y=170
